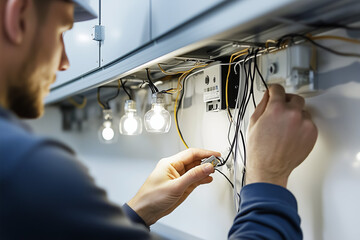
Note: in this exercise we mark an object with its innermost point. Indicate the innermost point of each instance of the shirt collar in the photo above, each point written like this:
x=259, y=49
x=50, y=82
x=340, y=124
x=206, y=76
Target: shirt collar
x=11, y=117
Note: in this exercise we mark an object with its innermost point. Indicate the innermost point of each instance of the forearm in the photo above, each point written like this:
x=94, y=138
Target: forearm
x=267, y=211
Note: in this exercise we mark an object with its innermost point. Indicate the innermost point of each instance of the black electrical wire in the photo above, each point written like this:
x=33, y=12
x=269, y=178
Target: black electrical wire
x=106, y=104
x=332, y=25
x=123, y=85
x=232, y=185
x=152, y=86
x=294, y=35
x=252, y=78
x=261, y=76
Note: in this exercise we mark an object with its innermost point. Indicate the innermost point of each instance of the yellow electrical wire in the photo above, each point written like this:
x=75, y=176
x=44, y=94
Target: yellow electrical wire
x=78, y=105
x=169, y=73
x=178, y=89
x=270, y=41
x=98, y=95
x=99, y=101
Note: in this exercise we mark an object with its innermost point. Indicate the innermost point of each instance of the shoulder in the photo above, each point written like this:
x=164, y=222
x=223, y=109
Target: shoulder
x=19, y=146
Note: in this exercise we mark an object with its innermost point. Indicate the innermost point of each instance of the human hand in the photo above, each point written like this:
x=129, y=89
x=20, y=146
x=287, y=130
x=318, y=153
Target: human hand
x=281, y=135
x=171, y=182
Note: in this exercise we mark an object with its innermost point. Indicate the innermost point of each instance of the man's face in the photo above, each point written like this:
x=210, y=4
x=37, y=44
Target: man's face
x=46, y=57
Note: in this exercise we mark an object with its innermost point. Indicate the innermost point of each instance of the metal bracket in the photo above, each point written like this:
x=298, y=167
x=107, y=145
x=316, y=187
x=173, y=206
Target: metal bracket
x=98, y=33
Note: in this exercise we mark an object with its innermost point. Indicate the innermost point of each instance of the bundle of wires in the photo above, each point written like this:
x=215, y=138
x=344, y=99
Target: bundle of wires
x=179, y=91
x=152, y=86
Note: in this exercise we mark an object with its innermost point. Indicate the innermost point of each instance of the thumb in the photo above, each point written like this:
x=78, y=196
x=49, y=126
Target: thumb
x=195, y=174
x=260, y=108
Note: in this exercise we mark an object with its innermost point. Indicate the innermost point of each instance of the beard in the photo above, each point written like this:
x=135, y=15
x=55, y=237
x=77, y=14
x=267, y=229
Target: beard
x=27, y=88
x=25, y=101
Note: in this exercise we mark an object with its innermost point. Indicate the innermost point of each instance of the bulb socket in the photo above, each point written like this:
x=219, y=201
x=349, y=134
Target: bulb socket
x=130, y=106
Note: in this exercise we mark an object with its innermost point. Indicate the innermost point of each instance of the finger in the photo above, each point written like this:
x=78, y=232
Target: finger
x=206, y=180
x=276, y=94
x=259, y=110
x=191, y=165
x=194, y=175
x=295, y=101
x=306, y=115
x=191, y=155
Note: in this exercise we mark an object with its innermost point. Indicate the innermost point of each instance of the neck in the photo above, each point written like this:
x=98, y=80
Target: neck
x=3, y=92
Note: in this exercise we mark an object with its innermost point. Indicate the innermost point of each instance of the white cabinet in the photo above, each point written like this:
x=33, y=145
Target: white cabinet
x=82, y=51
x=127, y=27
x=169, y=14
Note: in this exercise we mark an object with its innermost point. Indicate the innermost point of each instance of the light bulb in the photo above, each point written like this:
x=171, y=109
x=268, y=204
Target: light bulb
x=130, y=123
x=106, y=130
x=108, y=133
x=157, y=119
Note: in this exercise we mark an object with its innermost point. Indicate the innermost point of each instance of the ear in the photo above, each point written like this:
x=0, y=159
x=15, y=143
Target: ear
x=14, y=20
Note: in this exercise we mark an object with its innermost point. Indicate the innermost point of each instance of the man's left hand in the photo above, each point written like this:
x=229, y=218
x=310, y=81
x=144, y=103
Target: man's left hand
x=170, y=183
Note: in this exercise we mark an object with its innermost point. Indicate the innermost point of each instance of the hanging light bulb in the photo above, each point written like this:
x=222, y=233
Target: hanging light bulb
x=157, y=119
x=130, y=123
x=106, y=131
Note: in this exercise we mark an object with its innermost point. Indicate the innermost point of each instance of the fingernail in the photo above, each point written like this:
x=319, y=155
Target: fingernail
x=208, y=168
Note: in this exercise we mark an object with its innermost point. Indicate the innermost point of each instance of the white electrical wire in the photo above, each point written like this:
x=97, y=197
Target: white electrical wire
x=233, y=123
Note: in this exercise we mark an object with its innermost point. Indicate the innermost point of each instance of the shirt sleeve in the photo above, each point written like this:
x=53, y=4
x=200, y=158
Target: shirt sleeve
x=267, y=211
x=50, y=195
x=134, y=217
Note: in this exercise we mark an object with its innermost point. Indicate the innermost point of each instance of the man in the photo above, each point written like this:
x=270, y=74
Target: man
x=45, y=193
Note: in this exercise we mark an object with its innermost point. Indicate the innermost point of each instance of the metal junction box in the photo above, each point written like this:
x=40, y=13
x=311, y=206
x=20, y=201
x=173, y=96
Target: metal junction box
x=214, y=78
x=292, y=67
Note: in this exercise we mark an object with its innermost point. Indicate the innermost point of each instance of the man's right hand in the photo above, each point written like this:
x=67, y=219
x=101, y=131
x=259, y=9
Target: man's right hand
x=281, y=135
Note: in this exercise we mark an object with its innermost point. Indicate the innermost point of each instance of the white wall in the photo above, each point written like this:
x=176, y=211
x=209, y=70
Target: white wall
x=326, y=185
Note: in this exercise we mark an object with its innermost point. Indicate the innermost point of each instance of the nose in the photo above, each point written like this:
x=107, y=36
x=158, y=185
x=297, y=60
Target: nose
x=64, y=62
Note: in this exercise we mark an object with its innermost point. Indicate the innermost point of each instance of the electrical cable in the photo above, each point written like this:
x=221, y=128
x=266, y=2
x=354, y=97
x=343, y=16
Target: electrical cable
x=333, y=37
x=99, y=99
x=123, y=85
x=234, y=55
x=177, y=113
x=76, y=104
x=232, y=185
x=293, y=36
x=106, y=104
x=152, y=86
x=332, y=25
x=178, y=90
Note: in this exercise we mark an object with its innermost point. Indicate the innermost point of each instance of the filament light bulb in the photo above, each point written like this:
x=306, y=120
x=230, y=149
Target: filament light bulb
x=130, y=123
x=157, y=119
x=106, y=130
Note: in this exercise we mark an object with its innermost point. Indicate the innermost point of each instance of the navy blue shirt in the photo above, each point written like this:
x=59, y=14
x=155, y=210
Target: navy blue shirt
x=46, y=193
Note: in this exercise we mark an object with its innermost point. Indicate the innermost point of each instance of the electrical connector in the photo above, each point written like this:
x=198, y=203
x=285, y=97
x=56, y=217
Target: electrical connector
x=212, y=159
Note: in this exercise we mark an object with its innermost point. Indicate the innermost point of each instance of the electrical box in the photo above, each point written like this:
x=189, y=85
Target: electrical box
x=293, y=68
x=214, y=78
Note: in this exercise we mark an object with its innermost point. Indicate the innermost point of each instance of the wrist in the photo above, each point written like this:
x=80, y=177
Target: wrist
x=141, y=209
x=262, y=178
